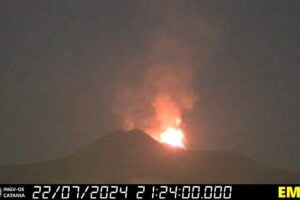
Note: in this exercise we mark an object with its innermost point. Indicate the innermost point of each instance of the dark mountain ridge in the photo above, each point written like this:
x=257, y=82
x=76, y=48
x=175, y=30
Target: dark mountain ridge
x=134, y=157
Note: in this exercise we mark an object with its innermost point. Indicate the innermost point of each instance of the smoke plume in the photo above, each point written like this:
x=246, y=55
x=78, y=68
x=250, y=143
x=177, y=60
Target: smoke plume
x=156, y=92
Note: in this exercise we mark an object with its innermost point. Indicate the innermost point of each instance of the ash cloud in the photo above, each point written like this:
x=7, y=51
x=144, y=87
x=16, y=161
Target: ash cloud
x=156, y=97
x=152, y=91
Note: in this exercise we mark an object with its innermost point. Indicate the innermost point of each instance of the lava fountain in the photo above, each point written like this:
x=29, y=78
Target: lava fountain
x=173, y=137
x=168, y=128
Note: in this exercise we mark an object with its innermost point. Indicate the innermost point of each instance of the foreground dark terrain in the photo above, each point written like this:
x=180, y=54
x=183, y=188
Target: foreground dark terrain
x=134, y=157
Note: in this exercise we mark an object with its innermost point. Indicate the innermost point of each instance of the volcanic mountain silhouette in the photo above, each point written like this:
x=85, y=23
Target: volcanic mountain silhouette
x=134, y=157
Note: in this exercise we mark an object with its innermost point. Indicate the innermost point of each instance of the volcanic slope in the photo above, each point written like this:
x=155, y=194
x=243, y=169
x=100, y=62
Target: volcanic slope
x=134, y=157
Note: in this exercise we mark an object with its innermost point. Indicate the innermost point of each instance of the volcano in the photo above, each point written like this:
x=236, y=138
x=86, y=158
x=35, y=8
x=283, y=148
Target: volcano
x=134, y=157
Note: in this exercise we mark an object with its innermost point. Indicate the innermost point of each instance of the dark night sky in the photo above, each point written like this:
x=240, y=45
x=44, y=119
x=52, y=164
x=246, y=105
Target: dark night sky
x=60, y=61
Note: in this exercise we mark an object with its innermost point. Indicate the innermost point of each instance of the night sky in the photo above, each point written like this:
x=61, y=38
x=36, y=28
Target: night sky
x=62, y=62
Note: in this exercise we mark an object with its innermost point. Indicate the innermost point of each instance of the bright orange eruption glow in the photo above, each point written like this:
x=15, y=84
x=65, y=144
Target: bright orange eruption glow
x=173, y=137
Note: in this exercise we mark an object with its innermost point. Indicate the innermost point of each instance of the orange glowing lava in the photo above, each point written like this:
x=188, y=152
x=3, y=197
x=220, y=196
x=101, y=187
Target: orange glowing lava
x=173, y=137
